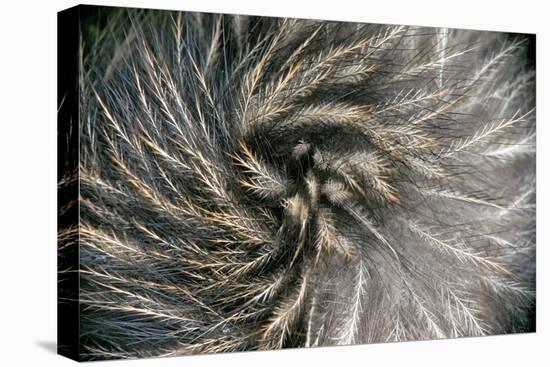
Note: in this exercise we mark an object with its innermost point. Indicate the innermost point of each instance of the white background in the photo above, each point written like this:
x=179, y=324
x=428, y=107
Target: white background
x=28, y=181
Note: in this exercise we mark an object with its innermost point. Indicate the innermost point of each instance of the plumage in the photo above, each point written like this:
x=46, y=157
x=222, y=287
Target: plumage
x=256, y=183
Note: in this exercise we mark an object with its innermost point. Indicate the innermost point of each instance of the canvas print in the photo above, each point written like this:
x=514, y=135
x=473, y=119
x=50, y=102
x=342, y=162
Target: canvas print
x=237, y=183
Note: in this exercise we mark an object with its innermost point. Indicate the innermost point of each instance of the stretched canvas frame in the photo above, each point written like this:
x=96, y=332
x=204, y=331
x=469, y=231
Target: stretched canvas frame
x=234, y=183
